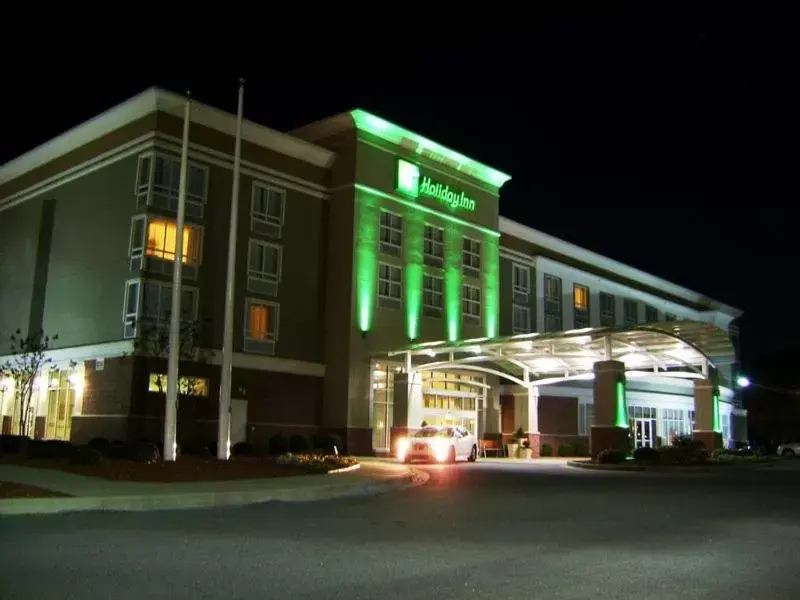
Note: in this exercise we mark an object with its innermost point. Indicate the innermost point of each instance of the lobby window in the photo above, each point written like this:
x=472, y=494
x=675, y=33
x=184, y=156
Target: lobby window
x=187, y=386
x=670, y=317
x=148, y=305
x=434, y=246
x=520, y=319
x=432, y=296
x=631, y=312
x=674, y=422
x=267, y=209
x=261, y=326
x=391, y=233
x=608, y=310
x=264, y=262
x=471, y=303
x=157, y=182
x=390, y=285
x=585, y=418
x=580, y=302
x=552, y=303
x=152, y=246
x=471, y=258
x=650, y=314
x=520, y=282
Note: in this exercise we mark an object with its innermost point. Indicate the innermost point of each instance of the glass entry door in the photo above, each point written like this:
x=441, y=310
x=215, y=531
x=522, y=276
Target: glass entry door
x=644, y=432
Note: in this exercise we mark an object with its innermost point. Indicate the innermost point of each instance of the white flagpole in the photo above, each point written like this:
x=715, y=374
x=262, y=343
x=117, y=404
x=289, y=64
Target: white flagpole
x=171, y=407
x=224, y=434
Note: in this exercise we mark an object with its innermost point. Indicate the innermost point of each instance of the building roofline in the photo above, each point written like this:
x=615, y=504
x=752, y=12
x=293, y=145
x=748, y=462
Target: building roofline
x=557, y=245
x=374, y=125
x=153, y=100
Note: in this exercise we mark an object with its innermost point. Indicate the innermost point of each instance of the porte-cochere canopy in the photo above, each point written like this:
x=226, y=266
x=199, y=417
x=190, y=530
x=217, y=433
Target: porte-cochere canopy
x=670, y=349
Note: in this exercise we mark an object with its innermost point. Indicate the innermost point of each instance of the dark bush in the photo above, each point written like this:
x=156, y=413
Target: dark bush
x=646, y=455
x=546, y=450
x=50, y=449
x=14, y=444
x=279, y=443
x=146, y=452
x=242, y=449
x=689, y=454
x=611, y=456
x=117, y=450
x=566, y=450
x=102, y=445
x=581, y=450
x=327, y=441
x=299, y=443
x=83, y=455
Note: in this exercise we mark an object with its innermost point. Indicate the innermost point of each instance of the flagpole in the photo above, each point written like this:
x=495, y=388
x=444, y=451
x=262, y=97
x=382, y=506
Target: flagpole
x=224, y=434
x=171, y=405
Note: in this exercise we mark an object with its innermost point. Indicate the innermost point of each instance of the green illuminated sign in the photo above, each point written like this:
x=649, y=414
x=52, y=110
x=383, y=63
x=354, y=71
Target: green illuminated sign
x=412, y=183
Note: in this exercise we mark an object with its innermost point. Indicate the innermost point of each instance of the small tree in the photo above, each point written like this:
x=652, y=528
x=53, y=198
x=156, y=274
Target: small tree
x=28, y=360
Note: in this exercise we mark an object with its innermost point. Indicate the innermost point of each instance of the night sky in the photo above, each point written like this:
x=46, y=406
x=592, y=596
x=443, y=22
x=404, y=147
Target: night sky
x=667, y=141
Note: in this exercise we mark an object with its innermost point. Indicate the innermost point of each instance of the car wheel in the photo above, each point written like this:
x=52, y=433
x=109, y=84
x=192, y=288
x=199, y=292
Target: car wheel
x=787, y=453
x=452, y=457
x=473, y=455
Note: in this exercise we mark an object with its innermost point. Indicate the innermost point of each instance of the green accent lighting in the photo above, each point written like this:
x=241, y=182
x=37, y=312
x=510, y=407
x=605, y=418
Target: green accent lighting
x=367, y=218
x=417, y=144
x=453, y=253
x=622, y=406
x=491, y=281
x=717, y=425
x=407, y=178
x=414, y=231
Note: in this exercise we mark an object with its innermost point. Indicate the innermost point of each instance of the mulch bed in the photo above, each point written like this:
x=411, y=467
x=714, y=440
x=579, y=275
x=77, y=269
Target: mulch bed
x=10, y=490
x=185, y=469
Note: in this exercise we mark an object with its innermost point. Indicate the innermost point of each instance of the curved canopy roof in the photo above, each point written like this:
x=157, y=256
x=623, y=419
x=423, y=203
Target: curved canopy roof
x=671, y=346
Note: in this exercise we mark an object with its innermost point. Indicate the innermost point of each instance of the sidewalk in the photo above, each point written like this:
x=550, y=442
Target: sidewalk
x=92, y=493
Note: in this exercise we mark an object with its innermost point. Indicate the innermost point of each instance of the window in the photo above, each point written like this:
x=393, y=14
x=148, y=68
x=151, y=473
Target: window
x=158, y=180
x=471, y=257
x=585, y=418
x=631, y=312
x=607, y=310
x=521, y=282
x=187, y=386
x=471, y=303
x=580, y=302
x=390, y=285
x=264, y=262
x=670, y=317
x=266, y=210
x=674, y=422
x=261, y=326
x=434, y=246
x=552, y=303
x=520, y=319
x=152, y=245
x=149, y=303
x=432, y=296
x=391, y=233
x=650, y=314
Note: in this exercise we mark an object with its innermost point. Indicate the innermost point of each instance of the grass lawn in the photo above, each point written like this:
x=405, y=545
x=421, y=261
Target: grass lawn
x=9, y=490
x=185, y=469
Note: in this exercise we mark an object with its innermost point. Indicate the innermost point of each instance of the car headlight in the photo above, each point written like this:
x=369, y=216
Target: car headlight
x=402, y=447
x=441, y=448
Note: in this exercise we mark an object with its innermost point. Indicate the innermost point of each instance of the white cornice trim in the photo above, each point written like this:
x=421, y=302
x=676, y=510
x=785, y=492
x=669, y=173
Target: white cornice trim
x=62, y=356
x=273, y=363
x=534, y=236
x=153, y=100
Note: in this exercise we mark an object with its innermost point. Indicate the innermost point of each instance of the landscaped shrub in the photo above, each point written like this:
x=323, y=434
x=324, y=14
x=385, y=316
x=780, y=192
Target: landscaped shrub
x=611, y=456
x=685, y=454
x=14, y=444
x=581, y=450
x=242, y=449
x=326, y=442
x=646, y=455
x=102, y=445
x=50, y=449
x=146, y=452
x=566, y=450
x=546, y=450
x=299, y=443
x=83, y=455
x=317, y=463
x=279, y=443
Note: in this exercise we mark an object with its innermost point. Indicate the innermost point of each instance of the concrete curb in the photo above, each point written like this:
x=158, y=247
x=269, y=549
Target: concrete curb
x=724, y=466
x=177, y=501
x=580, y=464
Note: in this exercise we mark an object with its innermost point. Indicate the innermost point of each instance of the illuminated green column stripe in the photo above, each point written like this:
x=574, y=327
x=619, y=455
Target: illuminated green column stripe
x=452, y=280
x=717, y=425
x=491, y=283
x=367, y=223
x=622, y=405
x=414, y=232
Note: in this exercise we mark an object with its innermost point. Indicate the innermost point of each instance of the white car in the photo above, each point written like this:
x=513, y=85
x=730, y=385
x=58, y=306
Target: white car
x=439, y=444
x=790, y=449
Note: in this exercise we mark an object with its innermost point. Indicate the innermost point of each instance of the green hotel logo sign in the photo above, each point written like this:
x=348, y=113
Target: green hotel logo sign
x=412, y=183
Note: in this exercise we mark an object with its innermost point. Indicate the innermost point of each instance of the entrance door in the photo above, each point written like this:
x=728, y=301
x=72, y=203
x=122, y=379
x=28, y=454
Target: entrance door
x=644, y=431
x=238, y=421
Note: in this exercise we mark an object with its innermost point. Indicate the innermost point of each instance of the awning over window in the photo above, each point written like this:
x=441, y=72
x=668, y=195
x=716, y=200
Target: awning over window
x=671, y=348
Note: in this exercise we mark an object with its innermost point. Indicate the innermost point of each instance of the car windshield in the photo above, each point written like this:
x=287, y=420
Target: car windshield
x=433, y=432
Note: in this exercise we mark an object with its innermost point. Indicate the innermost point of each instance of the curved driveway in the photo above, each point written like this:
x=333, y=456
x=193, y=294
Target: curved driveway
x=488, y=530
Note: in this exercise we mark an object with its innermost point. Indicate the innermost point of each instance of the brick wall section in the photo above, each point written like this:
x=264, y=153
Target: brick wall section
x=558, y=415
x=108, y=392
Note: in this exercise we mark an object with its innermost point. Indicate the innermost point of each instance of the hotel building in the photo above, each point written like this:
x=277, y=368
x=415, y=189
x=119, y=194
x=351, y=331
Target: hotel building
x=377, y=287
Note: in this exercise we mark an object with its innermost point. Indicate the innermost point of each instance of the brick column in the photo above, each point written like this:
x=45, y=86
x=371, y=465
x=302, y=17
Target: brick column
x=706, y=415
x=610, y=429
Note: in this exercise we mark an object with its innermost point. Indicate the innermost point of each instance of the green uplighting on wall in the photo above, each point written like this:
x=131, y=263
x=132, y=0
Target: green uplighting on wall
x=414, y=231
x=367, y=219
x=399, y=136
x=491, y=285
x=622, y=406
x=453, y=255
x=717, y=421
